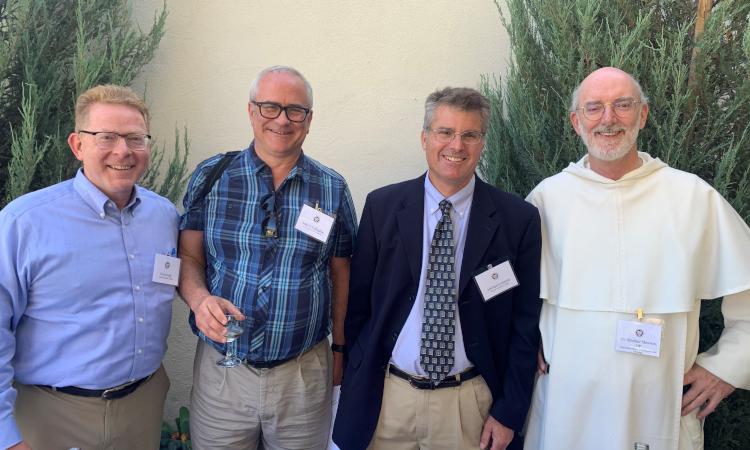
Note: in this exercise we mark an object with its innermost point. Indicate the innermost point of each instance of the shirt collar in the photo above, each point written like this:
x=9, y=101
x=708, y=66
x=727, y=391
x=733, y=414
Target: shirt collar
x=300, y=169
x=96, y=198
x=461, y=200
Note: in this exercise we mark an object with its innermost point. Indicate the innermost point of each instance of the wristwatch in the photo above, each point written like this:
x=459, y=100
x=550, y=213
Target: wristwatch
x=338, y=348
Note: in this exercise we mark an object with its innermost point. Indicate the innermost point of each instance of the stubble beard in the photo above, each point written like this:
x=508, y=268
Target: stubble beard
x=616, y=150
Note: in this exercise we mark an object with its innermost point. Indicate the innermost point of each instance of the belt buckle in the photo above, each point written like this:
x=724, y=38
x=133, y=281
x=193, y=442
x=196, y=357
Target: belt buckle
x=105, y=394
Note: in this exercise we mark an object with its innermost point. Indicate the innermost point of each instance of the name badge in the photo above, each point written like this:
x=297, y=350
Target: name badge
x=495, y=280
x=166, y=270
x=314, y=223
x=639, y=337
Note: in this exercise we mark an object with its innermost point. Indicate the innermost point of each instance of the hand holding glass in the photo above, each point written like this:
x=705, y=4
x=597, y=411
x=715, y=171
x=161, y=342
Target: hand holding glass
x=235, y=327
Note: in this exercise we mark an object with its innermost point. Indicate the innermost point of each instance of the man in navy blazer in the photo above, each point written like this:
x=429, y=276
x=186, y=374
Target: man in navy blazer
x=433, y=360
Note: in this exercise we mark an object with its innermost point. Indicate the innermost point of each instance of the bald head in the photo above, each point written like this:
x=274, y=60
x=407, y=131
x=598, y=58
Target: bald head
x=607, y=76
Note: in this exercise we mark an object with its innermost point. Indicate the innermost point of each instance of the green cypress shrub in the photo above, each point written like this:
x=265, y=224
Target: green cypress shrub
x=51, y=51
x=699, y=112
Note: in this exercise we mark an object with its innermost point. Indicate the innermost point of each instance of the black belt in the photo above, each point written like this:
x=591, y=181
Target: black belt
x=266, y=364
x=425, y=383
x=104, y=394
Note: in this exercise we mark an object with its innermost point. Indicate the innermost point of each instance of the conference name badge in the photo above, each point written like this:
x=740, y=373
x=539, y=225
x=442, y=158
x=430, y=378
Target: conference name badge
x=642, y=336
x=315, y=223
x=494, y=280
x=166, y=270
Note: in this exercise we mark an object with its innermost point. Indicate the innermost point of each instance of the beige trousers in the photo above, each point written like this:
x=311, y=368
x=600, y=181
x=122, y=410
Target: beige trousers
x=421, y=419
x=288, y=407
x=51, y=420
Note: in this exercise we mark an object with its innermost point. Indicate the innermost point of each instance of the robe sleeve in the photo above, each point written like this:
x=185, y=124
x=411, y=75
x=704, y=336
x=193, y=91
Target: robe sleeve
x=729, y=358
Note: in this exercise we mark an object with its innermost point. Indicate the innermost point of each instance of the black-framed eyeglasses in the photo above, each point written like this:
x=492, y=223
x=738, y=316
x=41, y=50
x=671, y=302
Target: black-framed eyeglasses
x=268, y=225
x=446, y=135
x=108, y=140
x=273, y=110
x=623, y=108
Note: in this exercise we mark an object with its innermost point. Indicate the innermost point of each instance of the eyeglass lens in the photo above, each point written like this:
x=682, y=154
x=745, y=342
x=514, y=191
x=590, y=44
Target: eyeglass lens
x=110, y=140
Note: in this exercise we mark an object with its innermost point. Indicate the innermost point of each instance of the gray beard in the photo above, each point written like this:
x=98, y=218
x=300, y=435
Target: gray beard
x=614, y=151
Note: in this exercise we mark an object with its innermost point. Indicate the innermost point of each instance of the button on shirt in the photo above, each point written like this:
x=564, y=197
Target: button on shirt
x=283, y=282
x=406, y=352
x=77, y=304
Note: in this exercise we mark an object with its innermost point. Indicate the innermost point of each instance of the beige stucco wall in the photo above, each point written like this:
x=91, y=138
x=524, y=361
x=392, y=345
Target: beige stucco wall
x=371, y=65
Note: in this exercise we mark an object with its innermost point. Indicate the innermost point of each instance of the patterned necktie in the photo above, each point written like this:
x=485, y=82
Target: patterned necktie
x=438, y=321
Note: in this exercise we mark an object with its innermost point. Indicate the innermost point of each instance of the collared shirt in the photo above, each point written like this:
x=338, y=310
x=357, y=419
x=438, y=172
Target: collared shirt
x=77, y=304
x=406, y=352
x=282, y=283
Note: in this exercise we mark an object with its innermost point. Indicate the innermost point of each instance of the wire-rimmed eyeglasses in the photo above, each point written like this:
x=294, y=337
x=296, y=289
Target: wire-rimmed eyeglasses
x=108, y=140
x=623, y=108
x=446, y=135
x=273, y=110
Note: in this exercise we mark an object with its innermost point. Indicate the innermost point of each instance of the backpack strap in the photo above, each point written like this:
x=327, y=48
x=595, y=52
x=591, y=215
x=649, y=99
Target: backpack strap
x=217, y=171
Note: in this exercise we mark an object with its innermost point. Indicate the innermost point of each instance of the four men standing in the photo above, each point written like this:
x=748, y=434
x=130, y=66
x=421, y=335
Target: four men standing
x=442, y=328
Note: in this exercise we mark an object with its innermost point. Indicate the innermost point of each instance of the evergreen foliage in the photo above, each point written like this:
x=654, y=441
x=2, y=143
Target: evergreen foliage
x=699, y=112
x=51, y=51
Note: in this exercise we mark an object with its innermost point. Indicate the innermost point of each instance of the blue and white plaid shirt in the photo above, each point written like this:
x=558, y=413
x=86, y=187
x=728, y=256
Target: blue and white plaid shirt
x=283, y=283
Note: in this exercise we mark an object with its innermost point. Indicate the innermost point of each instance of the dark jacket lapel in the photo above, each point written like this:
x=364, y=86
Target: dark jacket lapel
x=410, y=220
x=479, y=235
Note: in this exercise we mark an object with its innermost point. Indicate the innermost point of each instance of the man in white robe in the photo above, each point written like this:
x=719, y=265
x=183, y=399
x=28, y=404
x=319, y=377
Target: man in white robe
x=623, y=231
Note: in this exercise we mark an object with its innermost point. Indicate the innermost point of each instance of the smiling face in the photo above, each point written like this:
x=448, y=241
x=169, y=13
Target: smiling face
x=609, y=138
x=452, y=164
x=279, y=138
x=113, y=171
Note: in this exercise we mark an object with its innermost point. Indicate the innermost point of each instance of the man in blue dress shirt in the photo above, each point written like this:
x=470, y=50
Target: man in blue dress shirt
x=242, y=245
x=83, y=326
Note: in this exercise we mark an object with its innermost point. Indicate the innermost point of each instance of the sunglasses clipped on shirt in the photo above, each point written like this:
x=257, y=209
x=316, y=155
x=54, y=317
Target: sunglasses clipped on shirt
x=269, y=228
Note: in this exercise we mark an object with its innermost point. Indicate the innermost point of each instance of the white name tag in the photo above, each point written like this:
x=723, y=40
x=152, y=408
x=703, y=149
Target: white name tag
x=496, y=280
x=166, y=270
x=638, y=337
x=314, y=223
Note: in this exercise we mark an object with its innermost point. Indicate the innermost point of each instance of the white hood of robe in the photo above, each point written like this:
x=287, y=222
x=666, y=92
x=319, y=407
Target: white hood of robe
x=658, y=239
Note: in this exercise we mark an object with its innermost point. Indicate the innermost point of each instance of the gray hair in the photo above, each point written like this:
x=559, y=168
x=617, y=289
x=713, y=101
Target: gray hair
x=463, y=99
x=577, y=92
x=281, y=69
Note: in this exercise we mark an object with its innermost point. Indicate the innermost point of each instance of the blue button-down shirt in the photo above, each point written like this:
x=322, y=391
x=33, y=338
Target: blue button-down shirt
x=283, y=283
x=77, y=304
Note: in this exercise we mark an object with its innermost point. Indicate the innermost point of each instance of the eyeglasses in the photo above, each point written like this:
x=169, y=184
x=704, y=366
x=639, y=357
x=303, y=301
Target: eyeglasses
x=467, y=137
x=623, y=109
x=107, y=140
x=273, y=110
x=268, y=225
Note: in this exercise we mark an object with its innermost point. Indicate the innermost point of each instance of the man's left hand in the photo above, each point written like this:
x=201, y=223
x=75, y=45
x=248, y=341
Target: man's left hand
x=338, y=368
x=501, y=436
x=706, y=387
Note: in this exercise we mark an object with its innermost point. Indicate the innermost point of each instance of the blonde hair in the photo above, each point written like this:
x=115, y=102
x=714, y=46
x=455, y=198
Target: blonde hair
x=109, y=94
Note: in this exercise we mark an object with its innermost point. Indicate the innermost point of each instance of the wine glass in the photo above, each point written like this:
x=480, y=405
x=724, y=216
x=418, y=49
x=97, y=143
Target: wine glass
x=235, y=327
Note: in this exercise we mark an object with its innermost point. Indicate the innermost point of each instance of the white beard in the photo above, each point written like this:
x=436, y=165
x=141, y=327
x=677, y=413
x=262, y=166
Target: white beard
x=615, y=150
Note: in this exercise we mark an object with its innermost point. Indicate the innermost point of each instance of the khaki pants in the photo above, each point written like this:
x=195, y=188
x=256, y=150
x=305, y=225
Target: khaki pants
x=288, y=407
x=51, y=420
x=423, y=419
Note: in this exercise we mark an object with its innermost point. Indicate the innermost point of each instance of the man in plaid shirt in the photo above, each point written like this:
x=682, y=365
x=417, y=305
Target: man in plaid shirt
x=244, y=244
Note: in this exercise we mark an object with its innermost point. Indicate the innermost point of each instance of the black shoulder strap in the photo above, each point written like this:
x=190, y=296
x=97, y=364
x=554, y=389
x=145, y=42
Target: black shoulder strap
x=217, y=171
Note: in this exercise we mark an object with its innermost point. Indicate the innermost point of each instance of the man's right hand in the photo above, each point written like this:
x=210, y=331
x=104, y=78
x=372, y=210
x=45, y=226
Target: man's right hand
x=210, y=317
x=541, y=364
x=20, y=446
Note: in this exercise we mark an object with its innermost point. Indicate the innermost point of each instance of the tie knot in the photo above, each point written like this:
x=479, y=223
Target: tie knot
x=445, y=206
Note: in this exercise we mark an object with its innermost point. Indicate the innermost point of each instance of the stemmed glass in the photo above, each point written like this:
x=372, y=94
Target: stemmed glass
x=235, y=327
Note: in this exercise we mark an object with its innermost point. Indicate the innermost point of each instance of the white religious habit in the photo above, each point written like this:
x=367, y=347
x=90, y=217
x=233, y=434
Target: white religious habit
x=659, y=240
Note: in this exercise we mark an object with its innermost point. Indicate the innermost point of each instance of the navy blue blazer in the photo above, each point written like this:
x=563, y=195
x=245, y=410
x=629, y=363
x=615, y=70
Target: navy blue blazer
x=501, y=336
